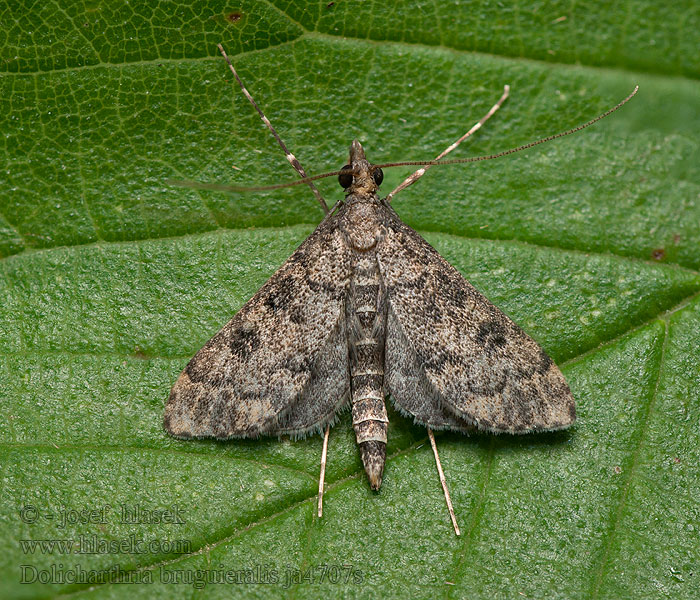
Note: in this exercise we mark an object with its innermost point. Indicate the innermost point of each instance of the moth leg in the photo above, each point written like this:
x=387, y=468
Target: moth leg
x=443, y=481
x=420, y=172
x=322, y=477
x=290, y=157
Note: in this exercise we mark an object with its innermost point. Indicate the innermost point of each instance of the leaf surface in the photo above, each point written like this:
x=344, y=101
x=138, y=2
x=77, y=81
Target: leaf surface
x=111, y=280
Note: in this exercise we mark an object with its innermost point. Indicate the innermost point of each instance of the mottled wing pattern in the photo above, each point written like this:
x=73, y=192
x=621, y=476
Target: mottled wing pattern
x=405, y=377
x=281, y=364
x=452, y=357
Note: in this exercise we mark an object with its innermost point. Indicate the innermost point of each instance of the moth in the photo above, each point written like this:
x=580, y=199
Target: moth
x=363, y=310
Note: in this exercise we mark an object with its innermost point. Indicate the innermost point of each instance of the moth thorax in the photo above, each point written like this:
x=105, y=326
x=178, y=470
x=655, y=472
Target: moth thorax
x=361, y=224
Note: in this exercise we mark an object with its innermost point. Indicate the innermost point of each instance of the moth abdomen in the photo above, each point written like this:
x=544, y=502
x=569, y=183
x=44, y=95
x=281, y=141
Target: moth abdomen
x=369, y=416
x=373, y=453
x=366, y=317
x=370, y=422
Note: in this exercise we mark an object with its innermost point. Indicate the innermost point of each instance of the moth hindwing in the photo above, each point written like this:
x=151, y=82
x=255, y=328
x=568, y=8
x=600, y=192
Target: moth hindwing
x=363, y=309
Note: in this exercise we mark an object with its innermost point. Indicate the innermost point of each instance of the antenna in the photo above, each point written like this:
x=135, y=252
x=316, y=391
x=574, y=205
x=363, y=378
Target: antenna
x=454, y=161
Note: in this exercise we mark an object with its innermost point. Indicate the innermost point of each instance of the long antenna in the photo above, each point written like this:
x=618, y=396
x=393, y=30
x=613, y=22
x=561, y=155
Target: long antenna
x=290, y=157
x=416, y=175
x=222, y=187
x=455, y=161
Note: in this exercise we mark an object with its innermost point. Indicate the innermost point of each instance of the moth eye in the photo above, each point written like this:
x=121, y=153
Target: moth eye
x=345, y=179
x=378, y=175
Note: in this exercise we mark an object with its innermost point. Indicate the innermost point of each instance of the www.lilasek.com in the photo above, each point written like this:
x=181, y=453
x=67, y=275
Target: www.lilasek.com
x=93, y=544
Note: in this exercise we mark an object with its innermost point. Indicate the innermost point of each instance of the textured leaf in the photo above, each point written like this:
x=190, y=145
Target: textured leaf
x=111, y=280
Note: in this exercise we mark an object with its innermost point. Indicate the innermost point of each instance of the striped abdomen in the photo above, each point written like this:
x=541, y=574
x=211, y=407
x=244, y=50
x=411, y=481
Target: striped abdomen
x=366, y=319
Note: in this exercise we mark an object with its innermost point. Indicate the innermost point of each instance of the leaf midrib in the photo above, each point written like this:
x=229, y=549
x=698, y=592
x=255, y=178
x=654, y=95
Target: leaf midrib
x=315, y=34
x=609, y=536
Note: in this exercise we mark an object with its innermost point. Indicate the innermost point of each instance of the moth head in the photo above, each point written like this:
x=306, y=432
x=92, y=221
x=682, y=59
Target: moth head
x=365, y=178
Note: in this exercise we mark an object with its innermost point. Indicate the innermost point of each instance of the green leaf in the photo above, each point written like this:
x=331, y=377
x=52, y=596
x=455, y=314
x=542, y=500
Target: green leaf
x=111, y=280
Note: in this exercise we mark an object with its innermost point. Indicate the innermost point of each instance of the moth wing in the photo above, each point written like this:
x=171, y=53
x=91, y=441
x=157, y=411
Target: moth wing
x=412, y=392
x=280, y=366
x=452, y=358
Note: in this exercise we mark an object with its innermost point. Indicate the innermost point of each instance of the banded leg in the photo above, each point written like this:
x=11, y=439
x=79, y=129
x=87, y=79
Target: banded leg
x=322, y=478
x=420, y=172
x=443, y=481
x=290, y=157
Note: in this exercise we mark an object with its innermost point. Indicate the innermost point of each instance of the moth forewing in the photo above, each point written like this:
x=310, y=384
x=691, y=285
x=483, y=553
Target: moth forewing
x=453, y=359
x=280, y=365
